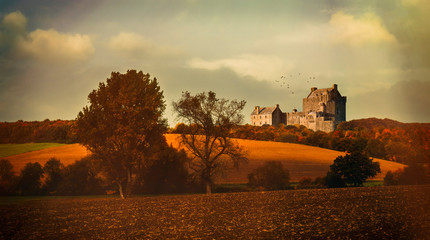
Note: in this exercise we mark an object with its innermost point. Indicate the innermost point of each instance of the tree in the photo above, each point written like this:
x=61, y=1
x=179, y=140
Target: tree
x=333, y=180
x=270, y=176
x=123, y=125
x=53, y=170
x=210, y=121
x=391, y=178
x=8, y=180
x=30, y=179
x=411, y=175
x=168, y=173
x=354, y=168
x=80, y=178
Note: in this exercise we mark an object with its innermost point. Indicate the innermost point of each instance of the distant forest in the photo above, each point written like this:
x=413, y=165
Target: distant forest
x=380, y=138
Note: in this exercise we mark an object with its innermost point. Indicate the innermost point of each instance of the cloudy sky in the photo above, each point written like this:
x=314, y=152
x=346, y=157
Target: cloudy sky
x=54, y=52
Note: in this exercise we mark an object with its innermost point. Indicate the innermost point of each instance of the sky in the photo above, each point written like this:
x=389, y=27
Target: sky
x=53, y=53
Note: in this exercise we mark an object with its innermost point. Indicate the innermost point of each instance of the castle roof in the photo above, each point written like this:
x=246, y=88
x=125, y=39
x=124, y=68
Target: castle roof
x=323, y=91
x=263, y=110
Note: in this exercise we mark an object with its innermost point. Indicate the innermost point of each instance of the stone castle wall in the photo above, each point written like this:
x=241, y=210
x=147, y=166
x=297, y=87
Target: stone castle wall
x=323, y=110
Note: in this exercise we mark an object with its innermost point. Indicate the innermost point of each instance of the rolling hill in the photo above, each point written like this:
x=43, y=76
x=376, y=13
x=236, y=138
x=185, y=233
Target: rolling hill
x=300, y=160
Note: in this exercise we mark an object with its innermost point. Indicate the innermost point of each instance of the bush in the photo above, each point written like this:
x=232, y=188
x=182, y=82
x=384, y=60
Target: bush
x=30, y=179
x=80, y=178
x=168, y=173
x=391, y=178
x=54, y=175
x=304, y=183
x=307, y=183
x=8, y=180
x=270, y=176
x=412, y=175
x=332, y=180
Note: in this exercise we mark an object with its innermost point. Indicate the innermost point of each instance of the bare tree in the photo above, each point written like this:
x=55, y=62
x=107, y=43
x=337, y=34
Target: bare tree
x=210, y=121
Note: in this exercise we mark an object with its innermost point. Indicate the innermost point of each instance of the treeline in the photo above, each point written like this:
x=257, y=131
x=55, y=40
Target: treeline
x=60, y=131
x=380, y=138
x=167, y=174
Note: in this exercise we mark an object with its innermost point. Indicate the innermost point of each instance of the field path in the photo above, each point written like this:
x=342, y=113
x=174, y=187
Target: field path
x=300, y=160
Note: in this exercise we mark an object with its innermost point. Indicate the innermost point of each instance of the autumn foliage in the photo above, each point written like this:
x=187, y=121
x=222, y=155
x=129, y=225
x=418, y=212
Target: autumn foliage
x=60, y=131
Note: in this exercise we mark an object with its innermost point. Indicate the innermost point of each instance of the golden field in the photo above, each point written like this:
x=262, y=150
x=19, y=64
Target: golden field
x=300, y=160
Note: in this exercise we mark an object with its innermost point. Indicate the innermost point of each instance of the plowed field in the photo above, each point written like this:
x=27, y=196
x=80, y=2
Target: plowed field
x=400, y=212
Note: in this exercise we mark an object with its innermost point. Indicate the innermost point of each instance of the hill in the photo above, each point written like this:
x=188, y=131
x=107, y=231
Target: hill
x=67, y=154
x=300, y=160
x=381, y=138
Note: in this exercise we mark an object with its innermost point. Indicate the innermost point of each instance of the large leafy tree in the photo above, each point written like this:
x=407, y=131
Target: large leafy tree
x=210, y=121
x=354, y=168
x=123, y=125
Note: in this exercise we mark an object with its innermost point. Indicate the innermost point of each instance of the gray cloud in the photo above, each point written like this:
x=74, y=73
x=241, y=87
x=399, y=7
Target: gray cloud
x=405, y=101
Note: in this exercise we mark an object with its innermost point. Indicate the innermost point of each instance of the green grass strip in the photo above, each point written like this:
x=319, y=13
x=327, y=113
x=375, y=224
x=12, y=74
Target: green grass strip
x=13, y=149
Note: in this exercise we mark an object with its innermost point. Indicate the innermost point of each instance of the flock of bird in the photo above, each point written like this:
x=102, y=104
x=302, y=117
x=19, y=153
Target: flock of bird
x=283, y=82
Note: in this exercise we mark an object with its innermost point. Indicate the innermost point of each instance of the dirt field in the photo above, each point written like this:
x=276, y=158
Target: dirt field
x=400, y=212
x=300, y=160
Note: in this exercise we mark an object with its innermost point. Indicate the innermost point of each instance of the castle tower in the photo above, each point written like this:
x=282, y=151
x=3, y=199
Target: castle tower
x=327, y=103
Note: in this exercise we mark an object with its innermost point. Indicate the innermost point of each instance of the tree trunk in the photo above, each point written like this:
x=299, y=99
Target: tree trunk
x=208, y=188
x=121, y=193
x=130, y=184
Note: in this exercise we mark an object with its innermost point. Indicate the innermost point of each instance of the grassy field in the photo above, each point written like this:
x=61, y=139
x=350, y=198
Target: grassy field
x=300, y=160
x=14, y=149
x=400, y=212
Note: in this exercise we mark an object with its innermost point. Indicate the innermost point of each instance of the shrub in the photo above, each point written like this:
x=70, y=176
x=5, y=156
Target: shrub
x=304, y=183
x=411, y=175
x=54, y=175
x=270, y=176
x=333, y=180
x=30, y=179
x=8, y=180
x=80, y=178
x=168, y=174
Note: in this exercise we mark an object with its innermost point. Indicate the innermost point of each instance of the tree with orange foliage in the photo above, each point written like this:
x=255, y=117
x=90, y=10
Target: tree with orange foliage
x=123, y=125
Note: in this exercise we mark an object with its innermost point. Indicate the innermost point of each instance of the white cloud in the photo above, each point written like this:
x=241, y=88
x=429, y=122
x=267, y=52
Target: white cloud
x=260, y=67
x=347, y=29
x=15, y=21
x=43, y=45
x=52, y=46
x=135, y=45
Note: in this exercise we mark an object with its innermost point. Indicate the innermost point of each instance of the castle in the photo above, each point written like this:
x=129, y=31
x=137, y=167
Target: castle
x=323, y=110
